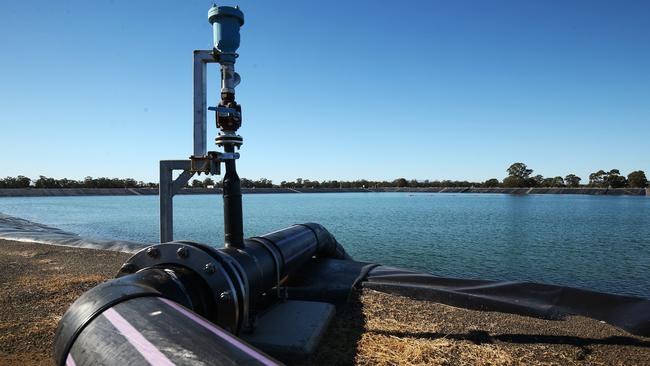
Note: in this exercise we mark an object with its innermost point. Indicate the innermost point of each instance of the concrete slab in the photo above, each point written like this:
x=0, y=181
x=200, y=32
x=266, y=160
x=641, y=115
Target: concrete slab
x=292, y=328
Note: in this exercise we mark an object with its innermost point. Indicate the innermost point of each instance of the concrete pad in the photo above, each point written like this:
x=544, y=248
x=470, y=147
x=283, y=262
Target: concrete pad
x=291, y=328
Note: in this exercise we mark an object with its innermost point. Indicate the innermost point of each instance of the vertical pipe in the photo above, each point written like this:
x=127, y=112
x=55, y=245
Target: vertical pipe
x=166, y=204
x=232, y=206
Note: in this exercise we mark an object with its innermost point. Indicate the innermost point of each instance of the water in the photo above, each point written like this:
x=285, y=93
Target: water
x=594, y=242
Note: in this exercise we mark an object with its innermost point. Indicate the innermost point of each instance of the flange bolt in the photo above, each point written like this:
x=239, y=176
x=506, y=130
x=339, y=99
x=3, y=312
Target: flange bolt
x=225, y=296
x=153, y=252
x=182, y=252
x=209, y=268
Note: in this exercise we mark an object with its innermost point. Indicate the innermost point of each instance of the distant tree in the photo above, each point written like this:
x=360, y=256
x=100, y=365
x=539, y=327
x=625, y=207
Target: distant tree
x=69, y=183
x=519, y=170
x=491, y=183
x=46, y=182
x=196, y=183
x=614, y=179
x=597, y=179
x=401, y=182
x=88, y=182
x=557, y=182
x=22, y=181
x=208, y=182
x=17, y=182
x=637, y=179
x=130, y=183
x=535, y=181
x=512, y=182
x=553, y=182
x=519, y=176
x=572, y=180
x=263, y=183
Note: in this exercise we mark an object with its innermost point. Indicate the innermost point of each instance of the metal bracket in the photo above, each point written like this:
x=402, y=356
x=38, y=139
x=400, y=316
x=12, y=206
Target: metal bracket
x=168, y=188
x=201, y=59
x=211, y=163
x=201, y=161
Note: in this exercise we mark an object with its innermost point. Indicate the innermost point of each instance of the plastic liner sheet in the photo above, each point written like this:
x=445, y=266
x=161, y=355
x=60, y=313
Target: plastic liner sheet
x=13, y=228
x=326, y=279
x=523, y=298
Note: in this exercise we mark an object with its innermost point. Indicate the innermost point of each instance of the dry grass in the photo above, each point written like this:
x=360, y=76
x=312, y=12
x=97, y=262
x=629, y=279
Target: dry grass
x=37, y=284
x=382, y=329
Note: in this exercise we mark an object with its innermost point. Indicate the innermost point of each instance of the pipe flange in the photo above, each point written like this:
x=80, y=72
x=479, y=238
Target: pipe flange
x=234, y=269
x=225, y=139
x=203, y=264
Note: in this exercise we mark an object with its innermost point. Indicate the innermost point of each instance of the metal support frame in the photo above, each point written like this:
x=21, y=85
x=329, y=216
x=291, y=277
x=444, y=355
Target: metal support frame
x=168, y=188
x=201, y=59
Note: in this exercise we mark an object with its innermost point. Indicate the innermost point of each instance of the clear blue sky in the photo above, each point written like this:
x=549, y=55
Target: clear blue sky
x=331, y=90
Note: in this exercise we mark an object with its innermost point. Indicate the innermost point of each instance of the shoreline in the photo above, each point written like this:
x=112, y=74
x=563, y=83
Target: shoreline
x=73, y=192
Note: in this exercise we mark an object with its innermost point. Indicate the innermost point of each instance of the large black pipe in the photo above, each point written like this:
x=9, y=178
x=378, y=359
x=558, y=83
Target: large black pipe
x=133, y=321
x=225, y=286
x=233, y=221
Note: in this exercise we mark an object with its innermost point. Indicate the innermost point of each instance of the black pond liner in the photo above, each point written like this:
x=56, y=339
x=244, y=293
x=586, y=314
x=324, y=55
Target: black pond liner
x=330, y=280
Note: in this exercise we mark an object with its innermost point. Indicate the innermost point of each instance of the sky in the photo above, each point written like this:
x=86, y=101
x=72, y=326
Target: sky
x=331, y=90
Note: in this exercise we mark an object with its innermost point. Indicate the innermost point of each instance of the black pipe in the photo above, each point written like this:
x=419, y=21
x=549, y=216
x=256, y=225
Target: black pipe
x=233, y=221
x=265, y=260
x=223, y=285
x=157, y=331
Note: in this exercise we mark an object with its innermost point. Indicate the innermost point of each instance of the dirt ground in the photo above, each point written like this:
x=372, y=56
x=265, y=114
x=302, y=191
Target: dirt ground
x=38, y=282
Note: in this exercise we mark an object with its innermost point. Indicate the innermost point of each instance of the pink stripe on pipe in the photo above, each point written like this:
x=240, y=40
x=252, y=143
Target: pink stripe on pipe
x=222, y=334
x=69, y=361
x=146, y=348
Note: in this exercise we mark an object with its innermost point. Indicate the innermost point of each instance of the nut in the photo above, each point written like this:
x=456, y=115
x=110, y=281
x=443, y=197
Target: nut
x=153, y=252
x=225, y=296
x=209, y=268
x=182, y=252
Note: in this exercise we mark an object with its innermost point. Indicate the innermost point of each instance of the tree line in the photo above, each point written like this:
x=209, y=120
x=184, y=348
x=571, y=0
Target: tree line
x=519, y=175
x=88, y=182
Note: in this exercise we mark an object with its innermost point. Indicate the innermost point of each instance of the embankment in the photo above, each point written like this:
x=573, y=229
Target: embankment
x=43, y=192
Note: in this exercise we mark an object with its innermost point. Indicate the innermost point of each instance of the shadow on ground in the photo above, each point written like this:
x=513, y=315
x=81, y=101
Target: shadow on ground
x=339, y=344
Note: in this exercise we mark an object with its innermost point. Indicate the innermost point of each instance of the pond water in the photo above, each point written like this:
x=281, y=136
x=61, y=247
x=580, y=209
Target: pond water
x=594, y=242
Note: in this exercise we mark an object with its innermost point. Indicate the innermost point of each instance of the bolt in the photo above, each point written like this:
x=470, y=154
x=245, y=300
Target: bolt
x=182, y=252
x=209, y=268
x=225, y=296
x=153, y=252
